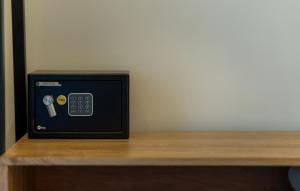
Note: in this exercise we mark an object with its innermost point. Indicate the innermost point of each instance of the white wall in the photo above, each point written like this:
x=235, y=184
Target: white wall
x=195, y=64
x=9, y=96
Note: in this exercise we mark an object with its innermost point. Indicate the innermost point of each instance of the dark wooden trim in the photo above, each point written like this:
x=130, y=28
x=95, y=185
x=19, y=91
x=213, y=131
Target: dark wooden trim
x=159, y=178
x=19, y=67
x=2, y=90
x=128, y=178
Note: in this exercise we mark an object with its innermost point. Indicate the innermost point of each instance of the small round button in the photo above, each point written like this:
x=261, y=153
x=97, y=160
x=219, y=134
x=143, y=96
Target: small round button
x=61, y=100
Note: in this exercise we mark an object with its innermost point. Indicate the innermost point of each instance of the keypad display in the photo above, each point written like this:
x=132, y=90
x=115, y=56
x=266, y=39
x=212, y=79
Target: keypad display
x=80, y=104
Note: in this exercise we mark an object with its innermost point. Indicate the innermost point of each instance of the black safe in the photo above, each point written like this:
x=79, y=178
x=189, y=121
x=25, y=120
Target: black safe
x=83, y=104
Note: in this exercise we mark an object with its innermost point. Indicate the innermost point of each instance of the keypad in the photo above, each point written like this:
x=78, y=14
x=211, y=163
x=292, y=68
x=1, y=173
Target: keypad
x=80, y=104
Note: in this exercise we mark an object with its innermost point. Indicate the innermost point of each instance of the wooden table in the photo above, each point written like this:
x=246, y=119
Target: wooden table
x=206, y=161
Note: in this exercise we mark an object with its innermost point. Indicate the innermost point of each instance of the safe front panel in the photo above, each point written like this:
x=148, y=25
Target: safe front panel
x=83, y=106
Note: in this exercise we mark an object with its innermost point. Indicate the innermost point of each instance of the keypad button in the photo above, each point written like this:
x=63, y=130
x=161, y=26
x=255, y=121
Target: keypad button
x=80, y=104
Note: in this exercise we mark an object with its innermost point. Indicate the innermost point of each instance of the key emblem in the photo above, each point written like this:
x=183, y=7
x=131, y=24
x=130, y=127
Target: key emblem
x=48, y=102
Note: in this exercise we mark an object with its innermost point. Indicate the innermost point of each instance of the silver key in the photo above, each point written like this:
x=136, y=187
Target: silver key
x=48, y=101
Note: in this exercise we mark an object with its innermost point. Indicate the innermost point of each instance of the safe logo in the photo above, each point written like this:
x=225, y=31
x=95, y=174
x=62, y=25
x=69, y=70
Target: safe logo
x=39, y=127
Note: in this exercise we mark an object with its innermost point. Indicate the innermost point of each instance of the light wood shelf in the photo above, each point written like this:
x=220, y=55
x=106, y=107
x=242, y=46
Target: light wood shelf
x=207, y=161
x=162, y=149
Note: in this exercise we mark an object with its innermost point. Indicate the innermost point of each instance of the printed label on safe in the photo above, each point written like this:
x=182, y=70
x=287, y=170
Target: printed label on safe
x=48, y=84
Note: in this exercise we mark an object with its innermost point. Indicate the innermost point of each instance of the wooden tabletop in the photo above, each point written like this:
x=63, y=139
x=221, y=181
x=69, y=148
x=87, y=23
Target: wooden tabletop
x=162, y=148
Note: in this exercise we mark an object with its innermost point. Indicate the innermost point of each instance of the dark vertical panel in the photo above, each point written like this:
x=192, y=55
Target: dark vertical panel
x=19, y=67
x=2, y=112
x=160, y=178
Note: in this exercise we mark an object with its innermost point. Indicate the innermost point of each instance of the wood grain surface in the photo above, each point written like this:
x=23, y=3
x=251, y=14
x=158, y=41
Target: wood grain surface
x=20, y=178
x=161, y=149
x=3, y=178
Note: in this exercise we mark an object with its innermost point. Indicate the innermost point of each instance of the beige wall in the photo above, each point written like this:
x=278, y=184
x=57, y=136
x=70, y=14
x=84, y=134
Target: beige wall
x=9, y=98
x=195, y=64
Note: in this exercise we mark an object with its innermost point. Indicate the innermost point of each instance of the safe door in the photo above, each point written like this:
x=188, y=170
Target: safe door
x=78, y=106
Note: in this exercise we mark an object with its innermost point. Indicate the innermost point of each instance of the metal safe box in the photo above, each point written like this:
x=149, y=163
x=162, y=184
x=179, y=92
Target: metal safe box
x=81, y=104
